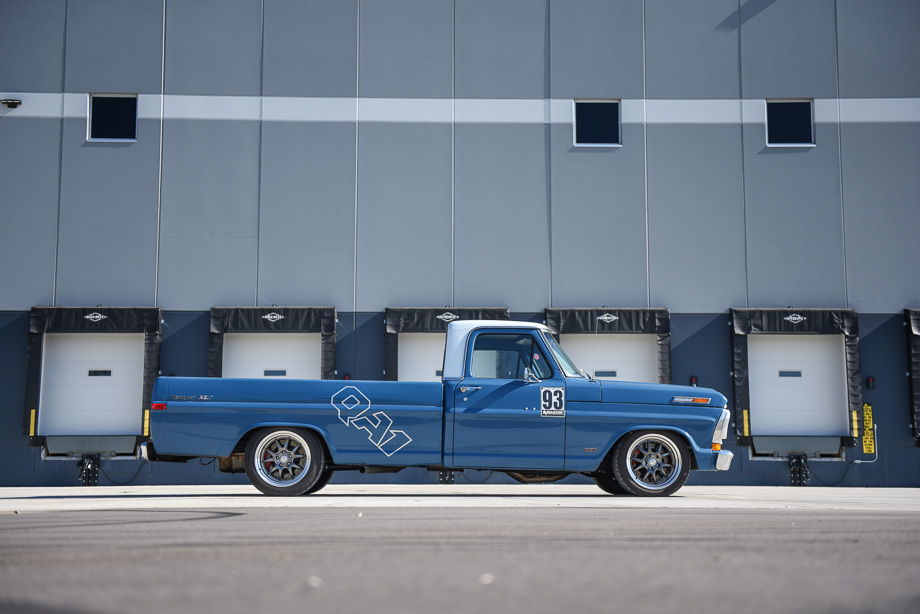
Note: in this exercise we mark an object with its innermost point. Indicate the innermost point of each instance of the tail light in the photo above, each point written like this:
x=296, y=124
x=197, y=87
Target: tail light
x=158, y=406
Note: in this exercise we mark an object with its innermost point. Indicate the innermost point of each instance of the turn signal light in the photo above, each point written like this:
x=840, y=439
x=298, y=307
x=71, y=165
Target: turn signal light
x=702, y=400
x=716, y=447
x=158, y=406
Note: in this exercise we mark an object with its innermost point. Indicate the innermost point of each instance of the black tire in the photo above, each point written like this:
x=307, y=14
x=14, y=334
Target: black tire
x=651, y=463
x=321, y=482
x=608, y=483
x=284, y=461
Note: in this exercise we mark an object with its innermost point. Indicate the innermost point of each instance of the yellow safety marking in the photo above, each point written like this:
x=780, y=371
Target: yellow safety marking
x=868, y=430
x=747, y=423
x=855, y=424
x=32, y=424
x=146, y=423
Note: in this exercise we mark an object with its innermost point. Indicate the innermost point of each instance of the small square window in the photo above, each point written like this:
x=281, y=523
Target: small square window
x=789, y=123
x=597, y=123
x=113, y=118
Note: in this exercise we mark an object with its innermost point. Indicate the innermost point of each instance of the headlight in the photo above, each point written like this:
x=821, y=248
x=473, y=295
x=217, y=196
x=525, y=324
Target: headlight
x=721, y=430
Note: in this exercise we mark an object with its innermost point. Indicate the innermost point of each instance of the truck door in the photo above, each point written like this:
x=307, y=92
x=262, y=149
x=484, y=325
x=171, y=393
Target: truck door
x=509, y=410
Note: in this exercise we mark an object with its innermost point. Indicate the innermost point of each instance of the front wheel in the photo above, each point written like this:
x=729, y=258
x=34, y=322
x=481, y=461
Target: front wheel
x=284, y=461
x=608, y=483
x=651, y=464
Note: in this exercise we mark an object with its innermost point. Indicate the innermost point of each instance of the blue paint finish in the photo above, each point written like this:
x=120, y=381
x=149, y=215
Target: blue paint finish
x=208, y=416
x=555, y=424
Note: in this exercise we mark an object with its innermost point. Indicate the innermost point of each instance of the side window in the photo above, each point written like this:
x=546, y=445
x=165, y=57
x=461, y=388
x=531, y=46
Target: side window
x=505, y=356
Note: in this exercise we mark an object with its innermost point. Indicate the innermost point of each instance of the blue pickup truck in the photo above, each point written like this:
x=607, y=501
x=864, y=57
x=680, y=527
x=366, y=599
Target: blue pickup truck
x=510, y=400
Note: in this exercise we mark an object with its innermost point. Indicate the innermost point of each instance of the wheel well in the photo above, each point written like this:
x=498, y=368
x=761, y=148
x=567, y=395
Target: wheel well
x=240, y=446
x=608, y=458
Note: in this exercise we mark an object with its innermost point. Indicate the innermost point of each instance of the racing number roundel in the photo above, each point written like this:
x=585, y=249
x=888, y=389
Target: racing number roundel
x=552, y=402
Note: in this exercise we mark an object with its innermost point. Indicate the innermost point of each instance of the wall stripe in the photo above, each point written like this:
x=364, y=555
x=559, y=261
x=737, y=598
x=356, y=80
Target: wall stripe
x=465, y=110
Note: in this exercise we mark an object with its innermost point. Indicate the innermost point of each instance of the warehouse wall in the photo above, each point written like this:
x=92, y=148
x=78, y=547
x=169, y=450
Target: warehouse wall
x=375, y=153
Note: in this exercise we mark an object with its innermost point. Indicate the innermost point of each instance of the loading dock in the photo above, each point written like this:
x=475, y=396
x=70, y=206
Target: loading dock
x=415, y=337
x=796, y=381
x=90, y=373
x=275, y=342
x=616, y=344
x=912, y=323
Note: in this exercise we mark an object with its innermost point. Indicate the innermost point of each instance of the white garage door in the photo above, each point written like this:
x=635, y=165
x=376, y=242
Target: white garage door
x=798, y=385
x=421, y=356
x=624, y=357
x=290, y=355
x=92, y=384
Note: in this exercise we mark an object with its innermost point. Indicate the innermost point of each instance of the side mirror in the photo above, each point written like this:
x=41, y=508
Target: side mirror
x=529, y=377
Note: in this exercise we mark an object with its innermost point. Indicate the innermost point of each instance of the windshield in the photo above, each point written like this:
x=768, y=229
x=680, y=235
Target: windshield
x=568, y=367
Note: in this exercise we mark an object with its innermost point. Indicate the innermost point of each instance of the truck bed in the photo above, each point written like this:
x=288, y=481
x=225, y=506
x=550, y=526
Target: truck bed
x=363, y=422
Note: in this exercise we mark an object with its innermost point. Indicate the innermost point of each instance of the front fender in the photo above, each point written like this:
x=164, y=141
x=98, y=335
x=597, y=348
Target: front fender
x=701, y=456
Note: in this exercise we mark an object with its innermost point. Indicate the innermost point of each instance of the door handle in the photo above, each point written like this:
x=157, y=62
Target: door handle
x=470, y=388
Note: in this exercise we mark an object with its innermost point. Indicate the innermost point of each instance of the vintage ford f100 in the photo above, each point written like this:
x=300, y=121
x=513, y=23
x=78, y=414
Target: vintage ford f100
x=510, y=400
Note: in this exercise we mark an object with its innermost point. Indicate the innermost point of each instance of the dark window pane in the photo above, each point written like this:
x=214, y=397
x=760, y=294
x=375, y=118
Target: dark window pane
x=114, y=118
x=789, y=123
x=597, y=123
x=506, y=355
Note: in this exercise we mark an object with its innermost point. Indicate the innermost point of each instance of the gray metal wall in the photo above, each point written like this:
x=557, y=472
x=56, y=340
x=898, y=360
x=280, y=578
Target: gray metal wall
x=693, y=212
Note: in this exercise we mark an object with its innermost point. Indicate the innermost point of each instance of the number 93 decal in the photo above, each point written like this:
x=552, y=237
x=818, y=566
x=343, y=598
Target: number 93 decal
x=552, y=402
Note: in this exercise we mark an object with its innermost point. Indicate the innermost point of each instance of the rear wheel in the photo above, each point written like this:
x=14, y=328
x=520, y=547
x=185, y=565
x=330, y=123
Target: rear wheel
x=321, y=482
x=285, y=461
x=651, y=463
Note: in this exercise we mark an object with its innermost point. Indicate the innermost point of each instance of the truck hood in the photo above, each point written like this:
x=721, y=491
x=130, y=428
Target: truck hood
x=657, y=394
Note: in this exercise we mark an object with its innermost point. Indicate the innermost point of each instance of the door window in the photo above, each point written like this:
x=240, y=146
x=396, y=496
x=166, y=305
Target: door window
x=505, y=356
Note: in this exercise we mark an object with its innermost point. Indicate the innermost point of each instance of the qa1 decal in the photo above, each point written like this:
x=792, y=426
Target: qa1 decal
x=353, y=407
x=552, y=402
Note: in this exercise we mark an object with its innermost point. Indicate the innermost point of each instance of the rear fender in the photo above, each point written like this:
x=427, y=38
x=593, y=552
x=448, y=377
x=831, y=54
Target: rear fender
x=240, y=446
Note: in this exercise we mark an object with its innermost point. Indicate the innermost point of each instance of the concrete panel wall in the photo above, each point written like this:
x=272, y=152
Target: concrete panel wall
x=696, y=217
x=399, y=59
x=29, y=220
x=881, y=183
x=404, y=215
x=209, y=214
x=794, y=221
x=32, y=45
x=596, y=49
x=108, y=236
x=598, y=222
x=692, y=49
x=501, y=217
x=114, y=46
x=879, y=54
x=307, y=214
x=500, y=49
x=310, y=48
x=214, y=47
x=789, y=49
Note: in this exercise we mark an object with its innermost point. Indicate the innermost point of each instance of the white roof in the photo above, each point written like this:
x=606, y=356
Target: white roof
x=459, y=331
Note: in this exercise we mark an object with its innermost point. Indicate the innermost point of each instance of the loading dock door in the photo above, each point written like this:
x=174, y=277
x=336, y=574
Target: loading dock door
x=622, y=357
x=91, y=384
x=288, y=355
x=421, y=356
x=798, y=385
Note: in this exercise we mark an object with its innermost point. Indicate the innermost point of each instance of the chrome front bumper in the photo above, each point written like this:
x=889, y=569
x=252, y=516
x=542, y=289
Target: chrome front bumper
x=722, y=460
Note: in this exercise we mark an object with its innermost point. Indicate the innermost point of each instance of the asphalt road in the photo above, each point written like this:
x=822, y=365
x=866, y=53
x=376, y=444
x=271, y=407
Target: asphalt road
x=427, y=549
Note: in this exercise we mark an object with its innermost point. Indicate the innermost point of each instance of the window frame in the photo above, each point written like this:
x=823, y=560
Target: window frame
x=535, y=340
x=766, y=121
x=577, y=101
x=89, y=118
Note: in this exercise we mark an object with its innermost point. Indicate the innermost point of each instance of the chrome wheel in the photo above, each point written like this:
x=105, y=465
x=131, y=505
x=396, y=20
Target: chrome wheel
x=282, y=458
x=654, y=462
